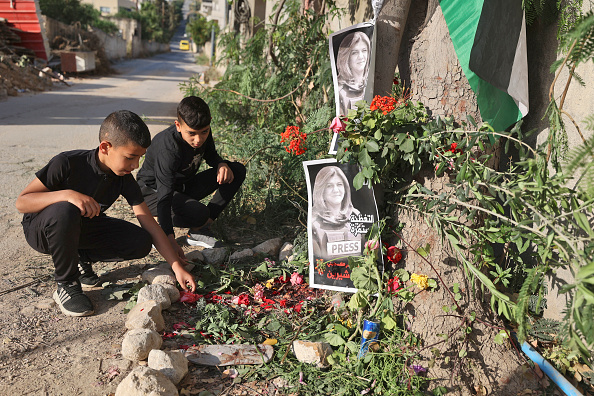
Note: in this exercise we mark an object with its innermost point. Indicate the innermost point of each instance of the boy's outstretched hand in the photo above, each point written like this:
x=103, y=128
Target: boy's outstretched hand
x=185, y=279
x=224, y=173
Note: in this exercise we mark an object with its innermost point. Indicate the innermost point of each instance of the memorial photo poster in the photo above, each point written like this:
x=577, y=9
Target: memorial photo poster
x=352, y=57
x=338, y=220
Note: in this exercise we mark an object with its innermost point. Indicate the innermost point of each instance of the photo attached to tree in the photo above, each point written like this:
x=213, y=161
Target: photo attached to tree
x=352, y=57
x=338, y=220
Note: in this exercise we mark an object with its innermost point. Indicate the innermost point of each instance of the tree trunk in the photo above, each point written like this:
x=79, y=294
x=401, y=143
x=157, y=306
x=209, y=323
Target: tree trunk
x=429, y=67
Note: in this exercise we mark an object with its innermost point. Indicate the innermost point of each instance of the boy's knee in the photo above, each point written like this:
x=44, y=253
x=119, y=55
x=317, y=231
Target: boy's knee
x=239, y=171
x=63, y=214
x=143, y=243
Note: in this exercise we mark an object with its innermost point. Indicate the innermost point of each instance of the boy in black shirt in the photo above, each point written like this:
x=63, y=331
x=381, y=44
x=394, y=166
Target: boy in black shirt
x=64, y=211
x=169, y=181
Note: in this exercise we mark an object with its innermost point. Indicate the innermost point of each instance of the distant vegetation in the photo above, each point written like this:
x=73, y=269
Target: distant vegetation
x=72, y=11
x=158, y=19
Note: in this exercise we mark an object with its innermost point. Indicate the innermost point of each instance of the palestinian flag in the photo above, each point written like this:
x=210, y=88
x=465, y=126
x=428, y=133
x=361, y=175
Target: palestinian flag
x=489, y=37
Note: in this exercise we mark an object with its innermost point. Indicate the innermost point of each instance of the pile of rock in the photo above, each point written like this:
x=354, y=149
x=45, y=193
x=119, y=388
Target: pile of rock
x=144, y=322
x=142, y=341
x=17, y=75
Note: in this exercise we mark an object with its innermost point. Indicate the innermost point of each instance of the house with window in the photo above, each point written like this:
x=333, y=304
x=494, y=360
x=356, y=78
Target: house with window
x=111, y=7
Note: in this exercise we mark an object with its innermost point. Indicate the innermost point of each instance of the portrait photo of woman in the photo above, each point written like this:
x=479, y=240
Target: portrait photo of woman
x=331, y=212
x=352, y=68
x=338, y=220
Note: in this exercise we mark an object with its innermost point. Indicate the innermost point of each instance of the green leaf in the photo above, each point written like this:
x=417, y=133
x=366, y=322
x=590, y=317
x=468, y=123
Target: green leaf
x=408, y=146
x=357, y=301
x=372, y=146
x=364, y=158
x=362, y=279
x=358, y=180
x=388, y=323
x=334, y=339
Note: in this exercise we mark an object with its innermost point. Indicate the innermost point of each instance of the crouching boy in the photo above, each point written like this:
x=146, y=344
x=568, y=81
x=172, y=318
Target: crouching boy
x=170, y=181
x=64, y=212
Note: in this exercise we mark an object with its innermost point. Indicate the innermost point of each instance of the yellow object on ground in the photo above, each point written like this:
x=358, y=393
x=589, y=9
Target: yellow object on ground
x=184, y=45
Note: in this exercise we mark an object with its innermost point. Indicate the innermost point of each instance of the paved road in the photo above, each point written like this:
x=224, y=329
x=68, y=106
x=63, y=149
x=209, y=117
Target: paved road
x=35, y=127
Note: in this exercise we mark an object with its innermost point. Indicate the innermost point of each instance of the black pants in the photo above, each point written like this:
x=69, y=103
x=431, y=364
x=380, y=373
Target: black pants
x=187, y=210
x=61, y=231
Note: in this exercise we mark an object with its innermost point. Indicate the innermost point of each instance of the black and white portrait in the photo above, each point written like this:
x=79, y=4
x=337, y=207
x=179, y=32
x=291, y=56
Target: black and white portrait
x=352, y=58
x=338, y=220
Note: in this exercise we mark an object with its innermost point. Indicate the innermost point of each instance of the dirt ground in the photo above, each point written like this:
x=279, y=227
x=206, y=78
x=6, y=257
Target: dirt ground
x=43, y=352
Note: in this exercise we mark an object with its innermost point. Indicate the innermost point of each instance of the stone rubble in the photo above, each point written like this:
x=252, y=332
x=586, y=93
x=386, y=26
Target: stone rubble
x=271, y=247
x=285, y=252
x=173, y=364
x=145, y=315
x=138, y=343
x=143, y=381
x=167, y=368
x=312, y=352
x=154, y=292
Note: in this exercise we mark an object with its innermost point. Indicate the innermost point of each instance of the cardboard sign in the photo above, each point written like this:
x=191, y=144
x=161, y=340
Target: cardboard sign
x=352, y=57
x=339, y=218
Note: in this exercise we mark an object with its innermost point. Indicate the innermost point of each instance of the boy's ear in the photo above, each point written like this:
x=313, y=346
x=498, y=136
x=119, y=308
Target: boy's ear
x=104, y=147
x=177, y=125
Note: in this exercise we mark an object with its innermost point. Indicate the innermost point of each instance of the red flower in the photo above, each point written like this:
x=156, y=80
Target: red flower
x=283, y=278
x=283, y=303
x=189, y=297
x=384, y=103
x=394, y=285
x=297, y=307
x=295, y=138
x=394, y=254
x=395, y=81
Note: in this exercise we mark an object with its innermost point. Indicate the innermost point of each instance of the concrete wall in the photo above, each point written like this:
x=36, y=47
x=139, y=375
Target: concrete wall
x=111, y=7
x=115, y=47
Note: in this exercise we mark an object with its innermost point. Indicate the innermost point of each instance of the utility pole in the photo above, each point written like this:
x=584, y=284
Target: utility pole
x=212, y=44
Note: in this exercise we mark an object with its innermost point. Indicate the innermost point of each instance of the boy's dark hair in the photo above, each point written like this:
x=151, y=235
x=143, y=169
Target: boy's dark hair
x=194, y=112
x=122, y=127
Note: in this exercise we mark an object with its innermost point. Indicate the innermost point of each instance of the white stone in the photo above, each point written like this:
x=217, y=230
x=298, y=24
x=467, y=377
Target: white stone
x=173, y=292
x=195, y=255
x=312, y=352
x=137, y=343
x=46, y=303
x=285, y=252
x=145, y=315
x=149, y=275
x=145, y=381
x=173, y=364
x=155, y=292
x=164, y=280
x=242, y=254
x=270, y=247
x=214, y=256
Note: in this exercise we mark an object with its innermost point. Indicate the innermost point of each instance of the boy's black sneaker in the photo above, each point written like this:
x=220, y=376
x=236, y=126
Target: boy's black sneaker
x=88, y=277
x=202, y=237
x=71, y=299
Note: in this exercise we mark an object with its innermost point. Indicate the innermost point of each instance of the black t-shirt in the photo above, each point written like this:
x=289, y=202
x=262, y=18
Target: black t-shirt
x=169, y=163
x=78, y=170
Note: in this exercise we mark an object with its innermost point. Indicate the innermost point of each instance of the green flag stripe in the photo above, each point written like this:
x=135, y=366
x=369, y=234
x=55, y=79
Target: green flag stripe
x=462, y=18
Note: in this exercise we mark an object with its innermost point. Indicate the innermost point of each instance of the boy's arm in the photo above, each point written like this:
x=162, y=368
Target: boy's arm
x=163, y=245
x=36, y=197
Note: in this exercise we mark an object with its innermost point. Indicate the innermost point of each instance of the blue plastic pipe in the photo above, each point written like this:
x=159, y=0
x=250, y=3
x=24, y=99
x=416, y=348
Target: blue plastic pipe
x=550, y=371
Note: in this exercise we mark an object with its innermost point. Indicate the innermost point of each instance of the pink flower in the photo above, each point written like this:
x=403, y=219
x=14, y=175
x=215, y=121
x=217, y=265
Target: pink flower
x=372, y=244
x=242, y=299
x=258, y=291
x=296, y=279
x=337, y=125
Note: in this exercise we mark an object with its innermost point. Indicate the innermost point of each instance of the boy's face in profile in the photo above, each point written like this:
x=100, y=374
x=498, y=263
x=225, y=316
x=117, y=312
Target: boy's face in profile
x=121, y=160
x=194, y=137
